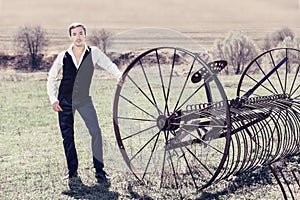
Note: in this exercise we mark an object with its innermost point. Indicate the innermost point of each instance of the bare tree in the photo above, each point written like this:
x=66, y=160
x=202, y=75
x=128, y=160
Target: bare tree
x=267, y=43
x=236, y=49
x=277, y=38
x=31, y=40
x=281, y=34
x=100, y=38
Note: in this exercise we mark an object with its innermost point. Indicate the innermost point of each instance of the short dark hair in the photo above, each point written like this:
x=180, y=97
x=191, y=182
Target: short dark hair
x=75, y=25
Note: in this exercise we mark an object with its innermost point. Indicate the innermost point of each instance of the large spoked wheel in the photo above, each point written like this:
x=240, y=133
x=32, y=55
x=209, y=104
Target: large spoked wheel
x=171, y=119
x=274, y=72
x=272, y=82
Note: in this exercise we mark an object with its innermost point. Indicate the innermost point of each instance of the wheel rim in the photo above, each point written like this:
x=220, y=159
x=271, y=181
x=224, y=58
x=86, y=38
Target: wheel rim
x=283, y=81
x=273, y=76
x=155, y=117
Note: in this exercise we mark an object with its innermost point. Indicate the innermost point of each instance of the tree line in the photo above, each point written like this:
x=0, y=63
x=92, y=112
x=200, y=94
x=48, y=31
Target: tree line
x=31, y=41
x=236, y=48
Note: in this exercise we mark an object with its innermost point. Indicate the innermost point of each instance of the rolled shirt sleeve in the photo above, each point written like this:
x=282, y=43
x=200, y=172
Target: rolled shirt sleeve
x=101, y=60
x=53, y=78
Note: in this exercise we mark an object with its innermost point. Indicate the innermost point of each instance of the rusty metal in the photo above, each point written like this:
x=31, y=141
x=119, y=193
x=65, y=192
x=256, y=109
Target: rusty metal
x=175, y=126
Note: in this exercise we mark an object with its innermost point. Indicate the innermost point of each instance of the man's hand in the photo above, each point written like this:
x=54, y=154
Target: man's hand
x=56, y=107
x=120, y=81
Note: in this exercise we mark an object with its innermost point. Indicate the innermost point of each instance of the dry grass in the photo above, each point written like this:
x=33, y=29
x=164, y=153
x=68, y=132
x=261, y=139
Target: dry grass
x=32, y=161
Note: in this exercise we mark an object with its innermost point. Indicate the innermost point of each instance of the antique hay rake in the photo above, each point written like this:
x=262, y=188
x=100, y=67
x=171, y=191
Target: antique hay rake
x=175, y=126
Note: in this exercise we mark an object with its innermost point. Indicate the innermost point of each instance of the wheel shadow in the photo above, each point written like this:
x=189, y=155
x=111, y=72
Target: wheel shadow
x=135, y=195
x=78, y=190
x=259, y=177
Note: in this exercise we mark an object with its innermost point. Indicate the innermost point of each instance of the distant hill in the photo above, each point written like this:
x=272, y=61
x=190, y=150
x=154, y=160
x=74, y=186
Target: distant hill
x=202, y=20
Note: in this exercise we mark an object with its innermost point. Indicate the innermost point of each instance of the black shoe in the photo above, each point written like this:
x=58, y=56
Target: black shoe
x=102, y=176
x=69, y=176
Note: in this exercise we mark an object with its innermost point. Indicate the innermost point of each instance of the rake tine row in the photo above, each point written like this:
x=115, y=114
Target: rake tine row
x=199, y=137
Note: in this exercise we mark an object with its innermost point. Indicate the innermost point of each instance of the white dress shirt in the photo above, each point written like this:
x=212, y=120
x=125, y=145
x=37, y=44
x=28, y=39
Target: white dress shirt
x=98, y=57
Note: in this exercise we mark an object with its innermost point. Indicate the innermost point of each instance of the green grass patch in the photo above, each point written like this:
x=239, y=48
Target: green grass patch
x=32, y=161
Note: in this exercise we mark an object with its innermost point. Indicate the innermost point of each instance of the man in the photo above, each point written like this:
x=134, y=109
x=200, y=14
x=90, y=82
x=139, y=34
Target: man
x=77, y=66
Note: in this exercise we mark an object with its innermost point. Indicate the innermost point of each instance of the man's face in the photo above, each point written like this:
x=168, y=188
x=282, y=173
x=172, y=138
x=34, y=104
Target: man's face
x=78, y=36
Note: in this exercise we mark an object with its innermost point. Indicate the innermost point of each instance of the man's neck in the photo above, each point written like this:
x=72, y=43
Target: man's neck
x=78, y=49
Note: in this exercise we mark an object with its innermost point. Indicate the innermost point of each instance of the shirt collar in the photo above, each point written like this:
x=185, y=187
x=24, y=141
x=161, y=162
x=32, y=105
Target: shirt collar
x=71, y=46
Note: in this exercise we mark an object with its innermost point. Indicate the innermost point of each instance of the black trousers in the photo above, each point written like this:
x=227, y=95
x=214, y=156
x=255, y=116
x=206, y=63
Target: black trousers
x=66, y=122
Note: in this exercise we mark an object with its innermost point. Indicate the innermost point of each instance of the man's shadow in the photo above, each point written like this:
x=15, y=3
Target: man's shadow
x=78, y=190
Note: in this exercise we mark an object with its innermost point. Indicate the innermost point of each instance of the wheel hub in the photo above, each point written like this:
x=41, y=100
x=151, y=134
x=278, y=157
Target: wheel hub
x=171, y=122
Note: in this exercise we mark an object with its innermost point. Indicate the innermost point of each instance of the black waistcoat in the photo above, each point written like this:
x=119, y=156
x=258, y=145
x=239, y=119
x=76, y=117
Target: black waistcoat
x=75, y=83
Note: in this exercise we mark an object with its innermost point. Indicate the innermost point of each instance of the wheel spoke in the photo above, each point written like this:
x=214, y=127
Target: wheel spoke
x=126, y=99
x=197, y=90
x=139, y=132
x=149, y=87
x=189, y=167
x=206, y=143
x=144, y=146
x=278, y=77
x=139, y=88
x=136, y=119
x=200, y=162
x=294, y=81
x=170, y=81
x=258, y=84
x=286, y=72
x=162, y=81
x=163, y=169
x=173, y=169
x=184, y=85
x=150, y=157
x=295, y=92
x=272, y=92
x=275, y=91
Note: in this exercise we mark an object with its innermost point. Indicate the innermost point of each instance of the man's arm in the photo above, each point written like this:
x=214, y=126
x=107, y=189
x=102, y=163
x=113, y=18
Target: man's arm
x=52, y=82
x=101, y=60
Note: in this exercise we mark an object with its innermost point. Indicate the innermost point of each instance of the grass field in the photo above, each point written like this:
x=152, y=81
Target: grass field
x=32, y=162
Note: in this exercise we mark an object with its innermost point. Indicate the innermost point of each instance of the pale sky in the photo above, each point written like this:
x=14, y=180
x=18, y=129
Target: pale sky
x=124, y=14
x=203, y=20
